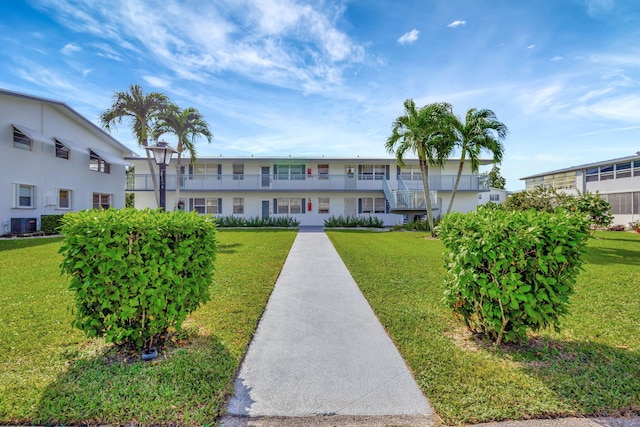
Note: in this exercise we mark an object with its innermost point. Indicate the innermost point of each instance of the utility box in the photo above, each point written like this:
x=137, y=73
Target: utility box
x=24, y=225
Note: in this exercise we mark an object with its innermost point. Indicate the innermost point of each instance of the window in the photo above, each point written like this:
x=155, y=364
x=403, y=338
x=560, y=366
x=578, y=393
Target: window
x=97, y=163
x=323, y=171
x=323, y=205
x=410, y=173
x=238, y=205
x=636, y=168
x=286, y=172
x=532, y=183
x=209, y=169
x=494, y=197
x=592, y=174
x=24, y=196
x=21, y=140
x=101, y=201
x=64, y=199
x=62, y=151
x=238, y=171
x=370, y=172
x=372, y=205
x=623, y=170
x=206, y=206
x=286, y=205
x=621, y=203
x=606, y=172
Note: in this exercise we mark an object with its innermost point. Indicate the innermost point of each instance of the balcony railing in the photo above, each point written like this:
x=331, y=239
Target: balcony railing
x=408, y=200
x=315, y=182
x=446, y=182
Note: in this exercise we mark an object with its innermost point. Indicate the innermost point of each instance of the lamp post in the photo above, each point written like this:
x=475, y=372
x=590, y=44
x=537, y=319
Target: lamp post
x=162, y=153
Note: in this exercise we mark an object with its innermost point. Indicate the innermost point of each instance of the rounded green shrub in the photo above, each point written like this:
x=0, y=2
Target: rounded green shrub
x=510, y=271
x=137, y=274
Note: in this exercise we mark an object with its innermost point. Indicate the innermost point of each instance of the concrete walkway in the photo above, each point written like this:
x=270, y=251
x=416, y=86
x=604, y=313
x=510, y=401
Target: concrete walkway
x=320, y=351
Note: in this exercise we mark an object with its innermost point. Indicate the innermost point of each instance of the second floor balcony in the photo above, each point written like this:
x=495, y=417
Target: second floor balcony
x=315, y=182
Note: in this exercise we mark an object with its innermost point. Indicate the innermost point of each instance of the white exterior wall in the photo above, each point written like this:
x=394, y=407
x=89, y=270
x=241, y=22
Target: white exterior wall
x=486, y=196
x=254, y=190
x=42, y=169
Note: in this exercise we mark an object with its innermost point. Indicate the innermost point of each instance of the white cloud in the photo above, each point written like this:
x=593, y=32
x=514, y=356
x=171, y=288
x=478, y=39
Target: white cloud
x=457, y=23
x=70, y=48
x=86, y=72
x=409, y=37
x=287, y=43
x=556, y=58
x=624, y=108
x=596, y=8
x=157, y=82
x=531, y=46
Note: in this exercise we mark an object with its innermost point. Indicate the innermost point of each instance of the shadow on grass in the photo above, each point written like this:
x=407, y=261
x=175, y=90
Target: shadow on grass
x=593, y=378
x=228, y=249
x=26, y=242
x=608, y=256
x=184, y=386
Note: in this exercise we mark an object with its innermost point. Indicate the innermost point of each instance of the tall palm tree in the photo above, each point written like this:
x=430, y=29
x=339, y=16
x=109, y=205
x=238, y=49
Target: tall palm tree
x=142, y=110
x=425, y=133
x=188, y=125
x=481, y=131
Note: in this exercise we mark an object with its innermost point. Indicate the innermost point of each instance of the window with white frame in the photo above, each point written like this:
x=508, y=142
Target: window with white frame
x=606, y=172
x=323, y=205
x=636, y=168
x=204, y=205
x=592, y=174
x=289, y=172
x=21, y=140
x=98, y=164
x=286, y=205
x=238, y=171
x=238, y=205
x=494, y=197
x=323, y=171
x=372, y=205
x=64, y=199
x=209, y=169
x=24, y=196
x=101, y=201
x=371, y=172
x=623, y=170
x=62, y=151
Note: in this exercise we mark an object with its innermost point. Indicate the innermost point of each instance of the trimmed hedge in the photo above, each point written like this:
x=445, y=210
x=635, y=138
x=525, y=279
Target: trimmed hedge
x=50, y=224
x=135, y=274
x=353, y=222
x=272, y=221
x=509, y=271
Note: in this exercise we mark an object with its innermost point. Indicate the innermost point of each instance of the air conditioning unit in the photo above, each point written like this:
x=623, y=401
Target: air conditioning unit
x=23, y=225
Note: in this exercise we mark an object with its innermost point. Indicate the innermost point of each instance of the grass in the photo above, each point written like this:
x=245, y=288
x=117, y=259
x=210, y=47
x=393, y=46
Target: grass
x=592, y=367
x=51, y=374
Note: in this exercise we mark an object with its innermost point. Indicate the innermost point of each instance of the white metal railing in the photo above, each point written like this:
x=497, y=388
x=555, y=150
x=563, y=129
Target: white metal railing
x=314, y=182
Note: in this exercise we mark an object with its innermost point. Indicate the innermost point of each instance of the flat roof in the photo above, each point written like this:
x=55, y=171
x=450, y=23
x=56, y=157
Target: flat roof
x=586, y=166
x=308, y=158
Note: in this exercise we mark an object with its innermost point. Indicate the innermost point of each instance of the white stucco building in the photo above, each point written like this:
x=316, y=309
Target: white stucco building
x=494, y=195
x=54, y=161
x=617, y=181
x=309, y=189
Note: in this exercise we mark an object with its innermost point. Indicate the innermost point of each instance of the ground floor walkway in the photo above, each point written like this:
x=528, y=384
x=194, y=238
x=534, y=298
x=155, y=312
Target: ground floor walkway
x=320, y=350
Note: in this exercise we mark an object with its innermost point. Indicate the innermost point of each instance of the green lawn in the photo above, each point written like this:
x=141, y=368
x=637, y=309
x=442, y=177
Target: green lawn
x=50, y=373
x=592, y=367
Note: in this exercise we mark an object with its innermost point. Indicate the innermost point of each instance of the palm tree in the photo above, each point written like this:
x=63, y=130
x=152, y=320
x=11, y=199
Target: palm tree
x=425, y=133
x=480, y=132
x=142, y=110
x=188, y=125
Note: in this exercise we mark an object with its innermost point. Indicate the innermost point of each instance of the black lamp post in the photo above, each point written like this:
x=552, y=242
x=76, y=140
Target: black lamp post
x=162, y=153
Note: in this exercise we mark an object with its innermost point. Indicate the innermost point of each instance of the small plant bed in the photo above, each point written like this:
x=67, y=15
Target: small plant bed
x=353, y=222
x=51, y=374
x=270, y=222
x=590, y=367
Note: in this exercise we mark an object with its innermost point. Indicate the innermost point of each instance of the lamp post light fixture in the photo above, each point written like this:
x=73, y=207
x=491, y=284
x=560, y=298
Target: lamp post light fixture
x=162, y=153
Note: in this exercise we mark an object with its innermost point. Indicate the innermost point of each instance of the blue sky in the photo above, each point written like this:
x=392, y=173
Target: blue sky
x=328, y=77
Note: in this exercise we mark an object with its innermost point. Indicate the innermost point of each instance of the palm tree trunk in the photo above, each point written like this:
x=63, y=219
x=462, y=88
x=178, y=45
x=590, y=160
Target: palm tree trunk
x=177, y=193
x=455, y=186
x=154, y=178
x=424, y=168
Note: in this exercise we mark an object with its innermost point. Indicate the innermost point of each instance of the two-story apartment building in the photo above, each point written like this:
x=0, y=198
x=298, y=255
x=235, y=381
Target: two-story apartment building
x=54, y=161
x=309, y=189
x=617, y=181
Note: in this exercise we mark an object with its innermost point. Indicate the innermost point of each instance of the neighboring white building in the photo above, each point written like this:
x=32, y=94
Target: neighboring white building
x=495, y=195
x=617, y=181
x=309, y=189
x=54, y=161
